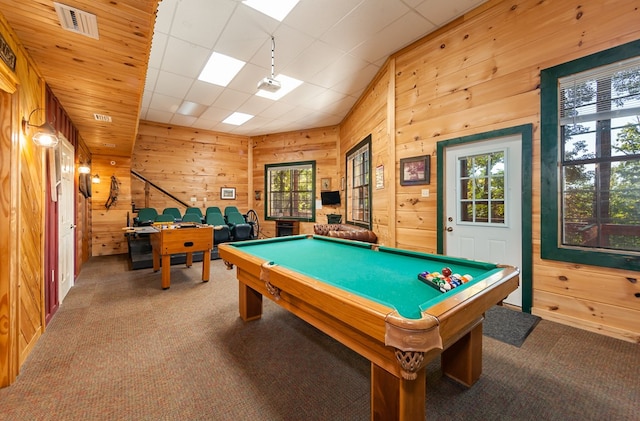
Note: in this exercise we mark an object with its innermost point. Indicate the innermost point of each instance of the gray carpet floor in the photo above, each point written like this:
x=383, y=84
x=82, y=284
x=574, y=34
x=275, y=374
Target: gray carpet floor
x=121, y=348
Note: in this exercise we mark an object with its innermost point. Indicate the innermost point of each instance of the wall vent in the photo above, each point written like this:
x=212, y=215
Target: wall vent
x=109, y=145
x=76, y=20
x=102, y=117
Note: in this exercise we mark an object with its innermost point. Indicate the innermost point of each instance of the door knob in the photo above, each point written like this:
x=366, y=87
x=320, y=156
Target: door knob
x=449, y=229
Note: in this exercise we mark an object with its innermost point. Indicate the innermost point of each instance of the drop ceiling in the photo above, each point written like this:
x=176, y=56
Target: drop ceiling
x=335, y=47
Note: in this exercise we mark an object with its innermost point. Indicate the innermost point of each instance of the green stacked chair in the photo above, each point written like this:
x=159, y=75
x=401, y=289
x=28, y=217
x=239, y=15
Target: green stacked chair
x=164, y=217
x=240, y=229
x=174, y=212
x=221, y=231
x=146, y=216
x=213, y=209
x=194, y=211
x=191, y=217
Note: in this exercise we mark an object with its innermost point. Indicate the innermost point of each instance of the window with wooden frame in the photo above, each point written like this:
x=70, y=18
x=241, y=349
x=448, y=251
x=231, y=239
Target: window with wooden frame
x=290, y=191
x=591, y=159
x=358, y=189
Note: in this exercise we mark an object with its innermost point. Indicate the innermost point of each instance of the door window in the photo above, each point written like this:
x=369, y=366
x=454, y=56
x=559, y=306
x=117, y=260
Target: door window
x=481, y=190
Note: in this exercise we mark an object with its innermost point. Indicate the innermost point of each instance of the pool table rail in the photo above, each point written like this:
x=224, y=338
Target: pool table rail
x=397, y=347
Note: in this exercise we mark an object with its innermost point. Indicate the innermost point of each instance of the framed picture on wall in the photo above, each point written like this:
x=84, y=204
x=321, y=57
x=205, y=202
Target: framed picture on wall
x=228, y=193
x=415, y=170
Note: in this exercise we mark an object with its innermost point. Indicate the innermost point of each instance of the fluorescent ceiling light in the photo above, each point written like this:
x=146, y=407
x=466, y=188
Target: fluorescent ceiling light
x=277, y=9
x=237, y=119
x=191, y=109
x=287, y=83
x=220, y=69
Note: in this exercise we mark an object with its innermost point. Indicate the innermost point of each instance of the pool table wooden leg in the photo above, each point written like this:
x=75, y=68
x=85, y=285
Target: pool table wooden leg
x=250, y=302
x=394, y=398
x=462, y=361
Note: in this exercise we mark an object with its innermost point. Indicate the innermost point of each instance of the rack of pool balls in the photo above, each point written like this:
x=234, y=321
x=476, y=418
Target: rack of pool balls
x=445, y=280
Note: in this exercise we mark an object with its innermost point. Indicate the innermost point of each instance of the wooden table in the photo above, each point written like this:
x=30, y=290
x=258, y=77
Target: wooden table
x=370, y=299
x=168, y=241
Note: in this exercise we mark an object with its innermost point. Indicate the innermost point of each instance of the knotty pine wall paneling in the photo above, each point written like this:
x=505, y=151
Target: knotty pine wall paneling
x=319, y=145
x=106, y=224
x=22, y=213
x=189, y=163
x=481, y=73
x=371, y=116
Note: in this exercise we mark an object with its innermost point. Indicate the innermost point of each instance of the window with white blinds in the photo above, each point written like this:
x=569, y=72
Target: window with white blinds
x=599, y=130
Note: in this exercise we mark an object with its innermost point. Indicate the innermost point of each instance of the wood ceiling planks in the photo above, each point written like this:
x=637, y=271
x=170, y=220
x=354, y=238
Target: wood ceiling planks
x=88, y=76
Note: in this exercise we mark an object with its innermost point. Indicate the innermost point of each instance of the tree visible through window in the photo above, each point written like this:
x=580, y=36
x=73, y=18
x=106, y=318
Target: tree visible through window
x=600, y=141
x=290, y=190
x=358, y=167
x=592, y=158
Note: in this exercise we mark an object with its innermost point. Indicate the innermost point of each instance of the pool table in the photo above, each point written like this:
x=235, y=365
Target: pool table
x=369, y=298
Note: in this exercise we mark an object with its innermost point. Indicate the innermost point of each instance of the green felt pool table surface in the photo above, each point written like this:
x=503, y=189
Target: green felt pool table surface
x=384, y=275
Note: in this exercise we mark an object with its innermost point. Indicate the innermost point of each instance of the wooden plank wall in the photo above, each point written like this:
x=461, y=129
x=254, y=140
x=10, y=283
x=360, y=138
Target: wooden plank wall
x=319, y=145
x=189, y=163
x=22, y=211
x=477, y=74
x=107, y=224
x=370, y=116
x=481, y=73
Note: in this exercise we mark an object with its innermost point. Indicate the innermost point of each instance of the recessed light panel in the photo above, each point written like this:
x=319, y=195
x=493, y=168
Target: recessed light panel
x=275, y=9
x=191, y=109
x=220, y=69
x=238, y=119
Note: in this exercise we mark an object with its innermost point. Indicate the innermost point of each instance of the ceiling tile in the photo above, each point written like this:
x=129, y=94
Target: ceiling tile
x=393, y=37
x=440, y=12
x=201, y=21
x=172, y=84
x=184, y=58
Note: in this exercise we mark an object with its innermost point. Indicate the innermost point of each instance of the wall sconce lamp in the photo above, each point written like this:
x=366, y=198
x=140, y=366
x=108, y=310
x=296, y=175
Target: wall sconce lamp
x=45, y=134
x=84, y=169
x=258, y=194
x=95, y=179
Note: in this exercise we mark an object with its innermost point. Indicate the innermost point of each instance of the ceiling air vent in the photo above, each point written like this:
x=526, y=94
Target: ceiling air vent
x=76, y=20
x=102, y=117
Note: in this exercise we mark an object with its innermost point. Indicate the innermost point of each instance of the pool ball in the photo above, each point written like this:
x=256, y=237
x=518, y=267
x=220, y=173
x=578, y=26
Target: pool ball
x=446, y=272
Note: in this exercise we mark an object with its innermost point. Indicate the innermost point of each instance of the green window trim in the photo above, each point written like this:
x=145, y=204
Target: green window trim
x=310, y=193
x=358, y=194
x=550, y=159
x=526, y=133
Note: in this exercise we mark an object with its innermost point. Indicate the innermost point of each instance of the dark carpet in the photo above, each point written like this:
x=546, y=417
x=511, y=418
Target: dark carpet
x=509, y=326
x=121, y=348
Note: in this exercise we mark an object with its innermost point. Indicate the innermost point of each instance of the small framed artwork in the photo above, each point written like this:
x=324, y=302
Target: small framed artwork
x=228, y=193
x=325, y=184
x=415, y=170
x=380, y=177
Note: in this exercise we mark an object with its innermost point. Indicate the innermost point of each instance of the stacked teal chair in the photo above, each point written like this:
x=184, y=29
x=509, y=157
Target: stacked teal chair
x=194, y=211
x=174, y=212
x=191, y=217
x=221, y=231
x=212, y=209
x=146, y=216
x=164, y=217
x=240, y=229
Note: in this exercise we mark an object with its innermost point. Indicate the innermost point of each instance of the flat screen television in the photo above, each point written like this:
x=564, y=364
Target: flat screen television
x=330, y=197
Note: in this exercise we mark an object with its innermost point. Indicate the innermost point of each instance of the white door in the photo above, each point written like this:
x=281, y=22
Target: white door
x=483, y=201
x=66, y=222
